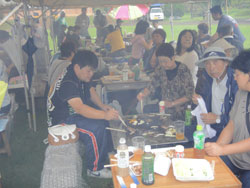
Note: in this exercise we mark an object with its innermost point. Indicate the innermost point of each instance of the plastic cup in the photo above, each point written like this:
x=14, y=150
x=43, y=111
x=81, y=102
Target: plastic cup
x=139, y=143
x=180, y=129
x=111, y=70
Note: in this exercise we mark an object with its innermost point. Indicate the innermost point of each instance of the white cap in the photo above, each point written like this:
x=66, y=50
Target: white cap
x=147, y=148
x=133, y=185
x=122, y=141
x=162, y=103
x=179, y=148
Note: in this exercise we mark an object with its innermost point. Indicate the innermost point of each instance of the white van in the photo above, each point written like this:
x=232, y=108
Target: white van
x=156, y=13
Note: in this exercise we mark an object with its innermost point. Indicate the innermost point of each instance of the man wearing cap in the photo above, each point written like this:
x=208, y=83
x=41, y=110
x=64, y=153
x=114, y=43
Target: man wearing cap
x=233, y=144
x=83, y=22
x=223, y=20
x=219, y=88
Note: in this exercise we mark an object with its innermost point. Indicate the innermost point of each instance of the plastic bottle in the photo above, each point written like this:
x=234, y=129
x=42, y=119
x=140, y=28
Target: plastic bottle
x=148, y=166
x=123, y=158
x=125, y=72
x=199, y=140
x=136, y=70
x=188, y=116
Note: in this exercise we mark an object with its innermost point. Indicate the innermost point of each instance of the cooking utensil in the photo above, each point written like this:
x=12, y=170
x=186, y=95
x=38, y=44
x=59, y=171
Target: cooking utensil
x=122, y=121
x=113, y=129
x=141, y=106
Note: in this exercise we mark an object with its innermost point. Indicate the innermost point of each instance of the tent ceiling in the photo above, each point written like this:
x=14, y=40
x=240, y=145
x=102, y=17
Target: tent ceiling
x=98, y=3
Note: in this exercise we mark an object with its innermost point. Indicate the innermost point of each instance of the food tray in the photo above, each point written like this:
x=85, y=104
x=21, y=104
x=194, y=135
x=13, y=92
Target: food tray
x=192, y=169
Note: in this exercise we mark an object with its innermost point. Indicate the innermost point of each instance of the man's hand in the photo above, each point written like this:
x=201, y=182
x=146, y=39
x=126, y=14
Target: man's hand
x=213, y=149
x=195, y=98
x=111, y=114
x=106, y=107
x=209, y=118
x=143, y=94
x=140, y=96
x=169, y=104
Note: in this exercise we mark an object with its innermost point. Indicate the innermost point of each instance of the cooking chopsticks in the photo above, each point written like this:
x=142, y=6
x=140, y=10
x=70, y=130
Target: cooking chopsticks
x=113, y=129
x=122, y=121
x=131, y=162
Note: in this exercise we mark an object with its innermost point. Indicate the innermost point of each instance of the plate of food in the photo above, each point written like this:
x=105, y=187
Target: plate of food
x=136, y=169
x=192, y=169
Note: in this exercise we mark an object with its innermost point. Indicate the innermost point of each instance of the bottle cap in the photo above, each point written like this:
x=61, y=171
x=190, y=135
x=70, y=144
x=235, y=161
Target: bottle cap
x=122, y=141
x=189, y=106
x=133, y=185
x=179, y=148
x=147, y=148
x=199, y=128
x=162, y=103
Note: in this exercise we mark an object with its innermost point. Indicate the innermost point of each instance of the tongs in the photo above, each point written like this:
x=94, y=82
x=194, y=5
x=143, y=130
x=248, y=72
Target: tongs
x=123, y=122
x=127, y=128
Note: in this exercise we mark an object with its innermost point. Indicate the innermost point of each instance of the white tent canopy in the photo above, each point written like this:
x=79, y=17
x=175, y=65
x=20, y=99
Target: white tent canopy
x=97, y=3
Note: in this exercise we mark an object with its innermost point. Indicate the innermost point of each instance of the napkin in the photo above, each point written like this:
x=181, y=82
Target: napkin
x=201, y=108
x=162, y=165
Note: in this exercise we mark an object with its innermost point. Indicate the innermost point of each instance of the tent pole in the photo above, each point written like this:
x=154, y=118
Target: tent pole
x=46, y=36
x=33, y=107
x=24, y=78
x=227, y=7
x=171, y=21
x=52, y=19
x=209, y=19
x=11, y=13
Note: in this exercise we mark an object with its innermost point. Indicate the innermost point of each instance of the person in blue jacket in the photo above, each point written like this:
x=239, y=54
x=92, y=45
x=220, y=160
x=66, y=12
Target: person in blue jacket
x=219, y=89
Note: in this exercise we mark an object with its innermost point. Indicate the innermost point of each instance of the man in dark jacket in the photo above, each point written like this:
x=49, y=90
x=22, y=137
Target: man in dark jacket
x=73, y=100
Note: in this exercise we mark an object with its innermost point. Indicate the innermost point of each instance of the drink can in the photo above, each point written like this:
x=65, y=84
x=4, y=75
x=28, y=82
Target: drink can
x=162, y=107
x=179, y=151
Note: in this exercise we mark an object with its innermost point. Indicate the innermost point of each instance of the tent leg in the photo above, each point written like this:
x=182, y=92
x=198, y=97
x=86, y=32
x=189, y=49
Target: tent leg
x=209, y=20
x=27, y=101
x=52, y=19
x=23, y=73
x=33, y=108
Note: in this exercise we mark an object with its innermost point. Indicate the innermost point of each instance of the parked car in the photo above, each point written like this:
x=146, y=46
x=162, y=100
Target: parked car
x=156, y=13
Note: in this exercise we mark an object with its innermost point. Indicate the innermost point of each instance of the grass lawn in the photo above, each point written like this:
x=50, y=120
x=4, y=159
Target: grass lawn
x=179, y=25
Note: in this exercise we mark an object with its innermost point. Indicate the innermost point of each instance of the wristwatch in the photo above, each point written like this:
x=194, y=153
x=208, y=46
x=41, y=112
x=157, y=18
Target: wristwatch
x=217, y=119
